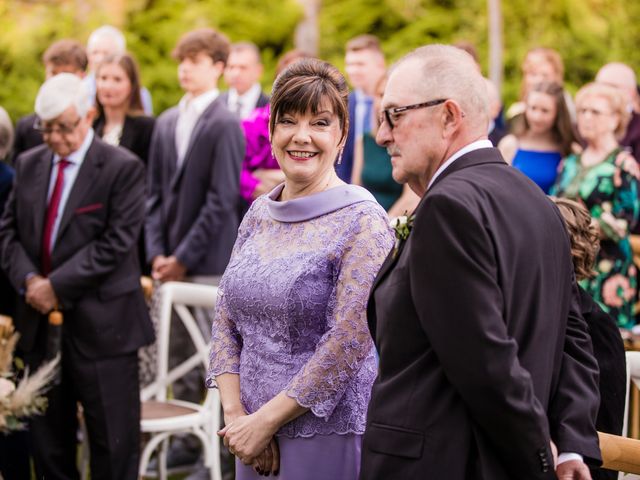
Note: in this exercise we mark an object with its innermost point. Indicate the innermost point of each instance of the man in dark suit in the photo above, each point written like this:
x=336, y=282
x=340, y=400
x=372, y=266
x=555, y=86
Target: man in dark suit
x=483, y=355
x=62, y=56
x=68, y=241
x=242, y=73
x=194, y=175
x=365, y=66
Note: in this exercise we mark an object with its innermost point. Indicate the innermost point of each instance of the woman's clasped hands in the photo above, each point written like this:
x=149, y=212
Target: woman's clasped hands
x=252, y=439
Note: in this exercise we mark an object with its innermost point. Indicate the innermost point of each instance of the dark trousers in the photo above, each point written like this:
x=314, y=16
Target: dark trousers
x=108, y=390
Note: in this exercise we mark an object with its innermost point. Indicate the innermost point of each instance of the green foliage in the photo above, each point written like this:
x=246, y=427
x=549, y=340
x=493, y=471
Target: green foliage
x=152, y=28
x=587, y=33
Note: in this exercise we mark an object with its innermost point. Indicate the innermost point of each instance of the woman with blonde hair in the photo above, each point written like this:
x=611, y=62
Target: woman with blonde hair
x=603, y=180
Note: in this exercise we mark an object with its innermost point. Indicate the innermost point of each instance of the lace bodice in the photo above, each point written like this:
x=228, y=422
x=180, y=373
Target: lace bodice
x=292, y=309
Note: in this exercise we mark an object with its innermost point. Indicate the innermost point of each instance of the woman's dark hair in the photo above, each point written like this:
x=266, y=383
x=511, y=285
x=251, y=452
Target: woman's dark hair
x=130, y=68
x=306, y=86
x=562, y=129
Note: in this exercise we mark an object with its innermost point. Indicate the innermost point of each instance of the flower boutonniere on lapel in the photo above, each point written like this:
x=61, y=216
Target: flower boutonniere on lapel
x=402, y=226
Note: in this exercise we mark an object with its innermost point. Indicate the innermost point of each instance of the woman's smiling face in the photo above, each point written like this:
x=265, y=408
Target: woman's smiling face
x=306, y=145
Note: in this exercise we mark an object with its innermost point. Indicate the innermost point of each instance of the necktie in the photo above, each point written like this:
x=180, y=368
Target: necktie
x=238, y=110
x=50, y=218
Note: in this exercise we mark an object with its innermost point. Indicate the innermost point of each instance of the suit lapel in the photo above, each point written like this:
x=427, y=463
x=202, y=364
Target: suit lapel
x=84, y=181
x=126, y=139
x=200, y=126
x=41, y=178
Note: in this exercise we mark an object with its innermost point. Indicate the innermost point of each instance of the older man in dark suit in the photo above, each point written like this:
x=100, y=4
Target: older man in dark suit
x=68, y=241
x=483, y=356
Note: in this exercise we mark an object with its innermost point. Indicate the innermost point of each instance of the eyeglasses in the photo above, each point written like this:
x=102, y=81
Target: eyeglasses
x=391, y=115
x=49, y=128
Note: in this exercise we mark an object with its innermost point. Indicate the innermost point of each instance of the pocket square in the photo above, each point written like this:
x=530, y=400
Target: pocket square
x=89, y=208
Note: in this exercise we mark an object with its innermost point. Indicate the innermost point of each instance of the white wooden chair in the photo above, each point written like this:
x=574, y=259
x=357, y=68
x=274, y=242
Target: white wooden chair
x=163, y=417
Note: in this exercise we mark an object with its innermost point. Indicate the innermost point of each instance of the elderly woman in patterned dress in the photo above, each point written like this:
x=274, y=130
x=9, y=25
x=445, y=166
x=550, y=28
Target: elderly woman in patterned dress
x=603, y=178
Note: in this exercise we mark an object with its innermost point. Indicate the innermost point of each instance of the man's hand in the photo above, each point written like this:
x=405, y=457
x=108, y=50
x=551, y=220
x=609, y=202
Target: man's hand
x=573, y=470
x=40, y=294
x=167, y=269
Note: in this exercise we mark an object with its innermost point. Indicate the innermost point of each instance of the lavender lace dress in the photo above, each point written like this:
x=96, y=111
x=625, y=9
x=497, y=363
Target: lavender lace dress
x=291, y=317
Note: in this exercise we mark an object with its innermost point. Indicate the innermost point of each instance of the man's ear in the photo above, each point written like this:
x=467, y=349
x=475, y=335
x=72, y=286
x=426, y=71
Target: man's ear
x=91, y=114
x=452, y=116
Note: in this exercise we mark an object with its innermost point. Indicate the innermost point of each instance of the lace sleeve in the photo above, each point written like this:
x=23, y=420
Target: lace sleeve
x=226, y=343
x=338, y=357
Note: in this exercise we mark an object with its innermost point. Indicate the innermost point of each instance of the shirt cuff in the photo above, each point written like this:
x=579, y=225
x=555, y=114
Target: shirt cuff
x=565, y=457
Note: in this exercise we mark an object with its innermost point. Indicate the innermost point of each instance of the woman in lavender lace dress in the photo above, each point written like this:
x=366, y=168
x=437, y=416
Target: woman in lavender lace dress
x=291, y=352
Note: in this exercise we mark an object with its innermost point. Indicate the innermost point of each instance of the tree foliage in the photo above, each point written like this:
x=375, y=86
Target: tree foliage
x=587, y=33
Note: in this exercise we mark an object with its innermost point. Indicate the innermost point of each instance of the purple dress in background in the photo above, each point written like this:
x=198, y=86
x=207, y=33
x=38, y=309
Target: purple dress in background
x=258, y=151
x=291, y=316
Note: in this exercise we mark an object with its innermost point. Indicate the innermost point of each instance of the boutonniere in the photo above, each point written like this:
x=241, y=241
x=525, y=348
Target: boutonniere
x=402, y=226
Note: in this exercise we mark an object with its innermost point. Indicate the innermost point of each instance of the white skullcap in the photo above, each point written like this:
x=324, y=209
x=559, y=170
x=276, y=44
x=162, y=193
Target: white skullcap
x=59, y=93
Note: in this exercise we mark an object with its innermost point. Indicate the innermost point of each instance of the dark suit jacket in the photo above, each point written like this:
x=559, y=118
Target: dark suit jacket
x=95, y=272
x=263, y=99
x=192, y=211
x=26, y=136
x=345, y=168
x=136, y=134
x=7, y=293
x=469, y=319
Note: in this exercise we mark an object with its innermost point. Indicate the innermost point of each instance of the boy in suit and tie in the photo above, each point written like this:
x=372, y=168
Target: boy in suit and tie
x=193, y=183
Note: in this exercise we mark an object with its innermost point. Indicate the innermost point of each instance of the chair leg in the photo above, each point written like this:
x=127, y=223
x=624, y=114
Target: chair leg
x=162, y=460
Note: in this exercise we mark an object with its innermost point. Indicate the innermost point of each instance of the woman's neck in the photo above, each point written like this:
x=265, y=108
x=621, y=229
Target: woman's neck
x=539, y=141
x=602, y=146
x=113, y=116
x=293, y=189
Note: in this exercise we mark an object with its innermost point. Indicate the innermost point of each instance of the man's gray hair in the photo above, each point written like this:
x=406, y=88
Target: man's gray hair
x=59, y=93
x=6, y=134
x=107, y=31
x=449, y=72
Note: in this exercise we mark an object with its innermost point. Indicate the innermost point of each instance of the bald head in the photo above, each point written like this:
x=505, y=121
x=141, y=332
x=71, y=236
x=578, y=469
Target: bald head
x=620, y=76
x=444, y=71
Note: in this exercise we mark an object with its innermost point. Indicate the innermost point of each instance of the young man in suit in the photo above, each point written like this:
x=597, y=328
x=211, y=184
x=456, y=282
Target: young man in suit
x=68, y=242
x=242, y=73
x=365, y=66
x=62, y=56
x=194, y=174
x=484, y=357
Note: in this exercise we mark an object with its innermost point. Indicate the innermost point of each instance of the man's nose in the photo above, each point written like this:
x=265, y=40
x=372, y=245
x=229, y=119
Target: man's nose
x=383, y=137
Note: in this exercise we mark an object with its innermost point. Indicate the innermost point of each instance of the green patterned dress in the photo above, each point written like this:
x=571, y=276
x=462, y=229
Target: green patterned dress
x=611, y=195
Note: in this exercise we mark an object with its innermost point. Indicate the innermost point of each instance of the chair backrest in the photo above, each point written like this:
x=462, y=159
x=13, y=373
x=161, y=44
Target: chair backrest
x=179, y=296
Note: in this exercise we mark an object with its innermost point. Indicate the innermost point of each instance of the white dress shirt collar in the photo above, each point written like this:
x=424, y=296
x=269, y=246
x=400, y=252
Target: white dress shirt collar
x=199, y=103
x=248, y=100
x=477, y=145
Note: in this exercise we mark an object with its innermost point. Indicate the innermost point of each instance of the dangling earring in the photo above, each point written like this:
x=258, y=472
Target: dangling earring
x=340, y=156
x=273, y=155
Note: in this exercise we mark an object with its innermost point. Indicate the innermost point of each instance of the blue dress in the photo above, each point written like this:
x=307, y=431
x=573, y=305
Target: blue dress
x=541, y=167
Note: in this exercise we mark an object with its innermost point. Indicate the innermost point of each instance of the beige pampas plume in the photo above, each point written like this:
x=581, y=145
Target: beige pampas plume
x=24, y=400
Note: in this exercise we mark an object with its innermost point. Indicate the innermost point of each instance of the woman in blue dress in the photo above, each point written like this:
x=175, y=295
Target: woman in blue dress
x=544, y=137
